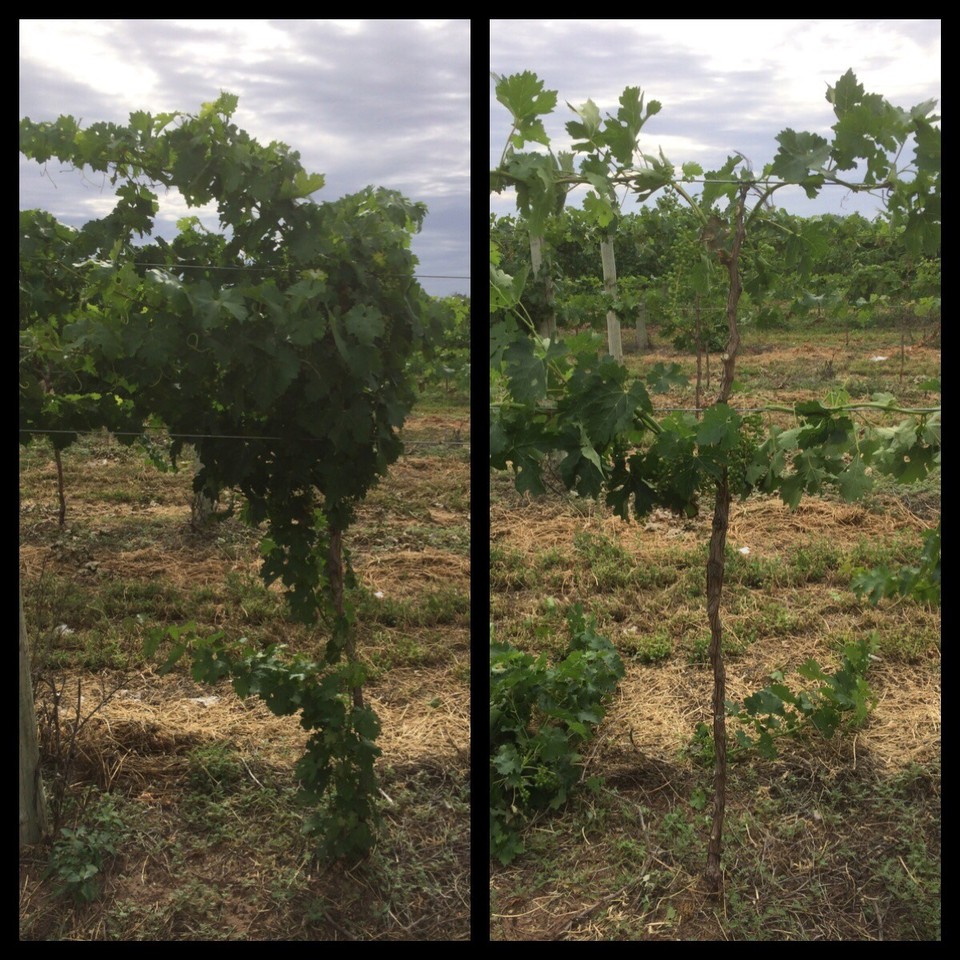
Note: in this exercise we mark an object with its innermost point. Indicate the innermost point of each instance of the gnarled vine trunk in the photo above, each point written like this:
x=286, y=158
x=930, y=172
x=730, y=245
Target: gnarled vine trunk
x=715, y=571
x=336, y=577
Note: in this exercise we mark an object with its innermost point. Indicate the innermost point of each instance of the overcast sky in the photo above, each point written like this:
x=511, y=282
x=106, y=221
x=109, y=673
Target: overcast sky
x=382, y=102
x=725, y=85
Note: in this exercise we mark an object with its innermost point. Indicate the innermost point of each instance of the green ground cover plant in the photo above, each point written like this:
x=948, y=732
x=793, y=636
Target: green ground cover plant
x=540, y=716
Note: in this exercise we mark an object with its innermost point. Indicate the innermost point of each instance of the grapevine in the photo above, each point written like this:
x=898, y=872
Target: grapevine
x=612, y=443
x=277, y=345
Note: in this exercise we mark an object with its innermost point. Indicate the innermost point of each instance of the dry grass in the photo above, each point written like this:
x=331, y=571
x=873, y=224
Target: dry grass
x=834, y=840
x=204, y=780
x=576, y=882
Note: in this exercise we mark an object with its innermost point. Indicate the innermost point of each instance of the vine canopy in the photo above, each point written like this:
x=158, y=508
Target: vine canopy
x=277, y=345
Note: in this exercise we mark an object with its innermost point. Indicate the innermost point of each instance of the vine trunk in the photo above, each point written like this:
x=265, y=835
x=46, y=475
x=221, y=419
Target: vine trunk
x=335, y=574
x=716, y=567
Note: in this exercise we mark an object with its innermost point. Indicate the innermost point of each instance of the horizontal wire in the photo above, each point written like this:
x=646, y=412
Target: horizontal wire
x=625, y=178
x=175, y=268
x=704, y=409
x=210, y=436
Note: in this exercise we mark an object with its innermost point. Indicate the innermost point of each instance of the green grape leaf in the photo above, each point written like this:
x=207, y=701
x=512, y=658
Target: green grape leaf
x=523, y=95
x=799, y=153
x=630, y=113
x=589, y=124
x=364, y=323
x=764, y=701
x=302, y=185
x=662, y=378
x=847, y=93
x=854, y=482
x=599, y=210
x=719, y=427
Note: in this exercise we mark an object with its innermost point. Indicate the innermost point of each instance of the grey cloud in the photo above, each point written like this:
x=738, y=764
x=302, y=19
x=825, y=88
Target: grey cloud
x=716, y=111
x=386, y=106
